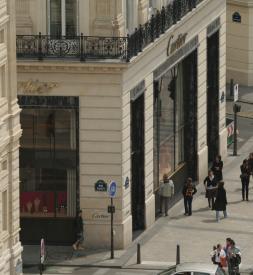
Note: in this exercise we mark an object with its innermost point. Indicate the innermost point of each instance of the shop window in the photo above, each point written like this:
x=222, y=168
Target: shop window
x=4, y=211
x=169, y=126
x=48, y=163
x=2, y=81
x=63, y=17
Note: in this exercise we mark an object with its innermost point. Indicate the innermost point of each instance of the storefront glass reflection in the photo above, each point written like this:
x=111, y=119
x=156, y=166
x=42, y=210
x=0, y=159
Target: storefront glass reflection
x=168, y=125
x=48, y=163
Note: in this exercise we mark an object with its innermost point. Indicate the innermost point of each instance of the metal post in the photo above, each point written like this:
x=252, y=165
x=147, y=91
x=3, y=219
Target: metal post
x=178, y=255
x=138, y=253
x=235, y=130
x=231, y=87
x=112, y=241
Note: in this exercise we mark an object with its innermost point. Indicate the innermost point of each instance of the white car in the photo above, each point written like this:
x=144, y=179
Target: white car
x=193, y=269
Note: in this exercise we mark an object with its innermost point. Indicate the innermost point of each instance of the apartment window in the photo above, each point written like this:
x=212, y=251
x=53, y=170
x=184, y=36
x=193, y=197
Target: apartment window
x=2, y=81
x=4, y=210
x=1, y=36
x=62, y=17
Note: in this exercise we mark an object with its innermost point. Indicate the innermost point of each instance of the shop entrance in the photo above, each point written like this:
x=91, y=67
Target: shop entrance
x=213, y=96
x=137, y=163
x=190, y=113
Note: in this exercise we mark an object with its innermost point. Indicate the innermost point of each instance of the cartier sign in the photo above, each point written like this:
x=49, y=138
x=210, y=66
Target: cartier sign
x=175, y=44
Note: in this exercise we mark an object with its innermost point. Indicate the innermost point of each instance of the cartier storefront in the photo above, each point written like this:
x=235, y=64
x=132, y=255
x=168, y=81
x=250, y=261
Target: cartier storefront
x=48, y=166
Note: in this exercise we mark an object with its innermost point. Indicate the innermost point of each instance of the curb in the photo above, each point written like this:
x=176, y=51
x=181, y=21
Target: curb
x=238, y=115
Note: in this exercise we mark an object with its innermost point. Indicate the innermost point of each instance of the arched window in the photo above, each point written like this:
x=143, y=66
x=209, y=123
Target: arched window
x=62, y=17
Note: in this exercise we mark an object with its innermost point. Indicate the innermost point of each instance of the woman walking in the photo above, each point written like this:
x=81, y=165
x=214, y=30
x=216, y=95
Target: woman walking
x=220, y=203
x=217, y=168
x=245, y=175
x=188, y=191
x=211, y=188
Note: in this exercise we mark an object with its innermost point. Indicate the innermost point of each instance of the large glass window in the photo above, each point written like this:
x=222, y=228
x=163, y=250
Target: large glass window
x=48, y=162
x=63, y=17
x=168, y=124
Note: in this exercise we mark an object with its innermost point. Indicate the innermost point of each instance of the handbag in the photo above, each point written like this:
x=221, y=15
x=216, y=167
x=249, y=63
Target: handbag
x=223, y=262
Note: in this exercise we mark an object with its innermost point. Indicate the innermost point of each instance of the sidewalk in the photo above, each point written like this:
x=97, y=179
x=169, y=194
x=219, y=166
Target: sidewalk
x=196, y=234
x=245, y=100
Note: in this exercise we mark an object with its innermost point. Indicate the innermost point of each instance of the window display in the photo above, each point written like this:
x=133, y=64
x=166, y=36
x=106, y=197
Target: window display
x=169, y=126
x=48, y=163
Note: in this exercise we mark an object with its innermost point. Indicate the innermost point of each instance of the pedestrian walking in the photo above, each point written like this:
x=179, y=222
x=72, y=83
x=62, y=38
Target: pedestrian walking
x=250, y=163
x=188, y=192
x=79, y=231
x=220, y=203
x=227, y=246
x=217, y=168
x=211, y=188
x=245, y=175
x=233, y=259
x=219, y=256
x=166, y=192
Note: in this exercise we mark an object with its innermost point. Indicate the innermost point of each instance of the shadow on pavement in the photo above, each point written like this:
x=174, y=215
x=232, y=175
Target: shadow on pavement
x=209, y=221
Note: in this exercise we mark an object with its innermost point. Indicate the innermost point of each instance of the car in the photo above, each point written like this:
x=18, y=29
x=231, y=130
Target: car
x=193, y=269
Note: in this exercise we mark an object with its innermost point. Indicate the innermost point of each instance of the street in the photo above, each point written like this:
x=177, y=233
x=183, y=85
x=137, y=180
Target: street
x=90, y=271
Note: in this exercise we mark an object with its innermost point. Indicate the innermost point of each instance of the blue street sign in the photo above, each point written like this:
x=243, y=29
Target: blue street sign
x=112, y=189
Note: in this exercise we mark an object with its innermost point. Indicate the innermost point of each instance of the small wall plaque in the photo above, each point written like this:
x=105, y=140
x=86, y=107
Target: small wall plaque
x=101, y=186
x=236, y=17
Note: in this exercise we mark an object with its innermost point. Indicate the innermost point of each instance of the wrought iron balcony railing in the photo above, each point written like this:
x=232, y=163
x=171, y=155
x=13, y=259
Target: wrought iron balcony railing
x=90, y=47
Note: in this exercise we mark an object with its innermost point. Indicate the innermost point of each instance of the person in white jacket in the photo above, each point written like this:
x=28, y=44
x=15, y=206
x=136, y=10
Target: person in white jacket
x=166, y=192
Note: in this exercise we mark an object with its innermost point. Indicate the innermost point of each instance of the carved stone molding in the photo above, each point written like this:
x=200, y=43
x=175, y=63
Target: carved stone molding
x=35, y=87
x=72, y=68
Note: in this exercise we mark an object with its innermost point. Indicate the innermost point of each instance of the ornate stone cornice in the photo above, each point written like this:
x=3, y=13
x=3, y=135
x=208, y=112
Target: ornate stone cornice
x=244, y=3
x=63, y=67
x=35, y=87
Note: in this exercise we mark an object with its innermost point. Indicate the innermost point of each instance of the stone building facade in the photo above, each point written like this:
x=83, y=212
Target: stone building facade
x=100, y=106
x=239, y=41
x=10, y=247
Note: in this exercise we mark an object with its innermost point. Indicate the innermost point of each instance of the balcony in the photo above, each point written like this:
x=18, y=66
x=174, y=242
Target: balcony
x=83, y=48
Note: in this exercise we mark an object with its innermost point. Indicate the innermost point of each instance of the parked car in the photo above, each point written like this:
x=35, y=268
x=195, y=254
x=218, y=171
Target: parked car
x=193, y=269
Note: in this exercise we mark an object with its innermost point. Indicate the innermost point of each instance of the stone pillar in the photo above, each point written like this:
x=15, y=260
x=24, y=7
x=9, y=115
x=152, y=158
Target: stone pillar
x=143, y=11
x=106, y=18
x=23, y=19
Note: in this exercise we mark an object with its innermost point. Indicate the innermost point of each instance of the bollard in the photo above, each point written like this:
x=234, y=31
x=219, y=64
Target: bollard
x=178, y=255
x=138, y=253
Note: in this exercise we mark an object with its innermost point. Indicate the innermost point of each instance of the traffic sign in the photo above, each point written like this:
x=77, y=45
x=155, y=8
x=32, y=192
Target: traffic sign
x=112, y=189
x=236, y=92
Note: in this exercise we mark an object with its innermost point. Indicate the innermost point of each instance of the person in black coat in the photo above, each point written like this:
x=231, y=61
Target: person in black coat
x=220, y=203
x=211, y=188
x=245, y=175
x=217, y=168
x=79, y=231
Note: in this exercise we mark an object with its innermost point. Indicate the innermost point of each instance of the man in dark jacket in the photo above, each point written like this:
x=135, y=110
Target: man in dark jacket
x=188, y=191
x=221, y=201
x=79, y=231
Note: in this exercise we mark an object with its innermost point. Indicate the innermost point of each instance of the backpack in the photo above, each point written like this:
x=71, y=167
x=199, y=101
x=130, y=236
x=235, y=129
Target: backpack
x=189, y=192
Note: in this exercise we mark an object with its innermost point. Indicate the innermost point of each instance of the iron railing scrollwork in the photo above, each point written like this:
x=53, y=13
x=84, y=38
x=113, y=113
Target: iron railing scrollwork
x=80, y=47
x=93, y=47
